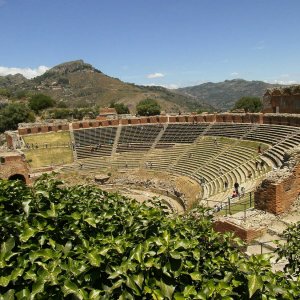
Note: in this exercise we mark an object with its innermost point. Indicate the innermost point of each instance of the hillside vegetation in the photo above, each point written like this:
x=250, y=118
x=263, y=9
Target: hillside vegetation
x=78, y=84
x=223, y=95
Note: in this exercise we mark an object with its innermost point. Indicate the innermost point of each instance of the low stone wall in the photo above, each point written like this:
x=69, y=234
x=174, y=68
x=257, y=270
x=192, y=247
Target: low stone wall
x=246, y=234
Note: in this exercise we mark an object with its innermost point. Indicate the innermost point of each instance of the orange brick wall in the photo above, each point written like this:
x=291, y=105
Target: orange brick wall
x=14, y=164
x=277, y=198
x=246, y=234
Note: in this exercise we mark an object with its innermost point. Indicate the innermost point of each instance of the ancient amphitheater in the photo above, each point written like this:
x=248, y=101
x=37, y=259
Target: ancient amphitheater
x=185, y=160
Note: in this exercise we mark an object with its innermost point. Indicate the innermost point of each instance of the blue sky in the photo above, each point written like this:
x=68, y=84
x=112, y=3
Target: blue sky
x=173, y=43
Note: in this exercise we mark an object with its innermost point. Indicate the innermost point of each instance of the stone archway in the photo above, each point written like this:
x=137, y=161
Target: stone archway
x=17, y=177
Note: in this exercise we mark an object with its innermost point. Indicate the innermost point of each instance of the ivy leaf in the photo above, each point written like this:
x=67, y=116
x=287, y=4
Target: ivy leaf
x=23, y=294
x=26, y=207
x=138, y=279
x=91, y=221
x=27, y=233
x=6, y=247
x=52, y=211
x=196, y=276
x=71, y=288
x=9, y=295
x=42, y=192
x=131, y=284
x=167, y=290
x=94, y=258
x=4, y=280
x=189, y=290
x=138, y=253
x=67, y=248
x=254, y=283
x=94, y=295
x=76, y=215
x=37, y=287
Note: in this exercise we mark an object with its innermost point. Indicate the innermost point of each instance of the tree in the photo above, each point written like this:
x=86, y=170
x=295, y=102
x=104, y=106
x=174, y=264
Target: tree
x=249, y=104
x=120, y=108
x=148, y=107
x=40, y=101
x=14, y=113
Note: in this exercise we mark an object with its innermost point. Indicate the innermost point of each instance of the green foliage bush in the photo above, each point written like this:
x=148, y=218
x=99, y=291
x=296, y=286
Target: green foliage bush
x=249, y=104
x=61, y=242
x=291, y=249
x=14, y=113
x=120, y=108
x=148, y=107
x=40, y=101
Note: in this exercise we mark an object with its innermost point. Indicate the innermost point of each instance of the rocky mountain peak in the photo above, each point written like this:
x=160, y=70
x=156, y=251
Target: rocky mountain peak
x=72, y=67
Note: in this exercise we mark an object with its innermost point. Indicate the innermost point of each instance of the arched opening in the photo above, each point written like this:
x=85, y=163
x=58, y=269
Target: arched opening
x=17, y=177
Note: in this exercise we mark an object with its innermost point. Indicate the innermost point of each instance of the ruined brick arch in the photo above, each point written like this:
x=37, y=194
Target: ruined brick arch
x=17, y=177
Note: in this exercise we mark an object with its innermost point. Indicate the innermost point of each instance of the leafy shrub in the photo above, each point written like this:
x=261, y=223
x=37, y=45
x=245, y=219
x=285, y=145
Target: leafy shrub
x=14, y=113
x=249, y=104
x=82, y=243
x=148, y=107
x=40, y=101
x=291, y=249
x=120, y=108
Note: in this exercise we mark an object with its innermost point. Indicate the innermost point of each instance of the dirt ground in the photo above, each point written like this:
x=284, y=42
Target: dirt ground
x=178, y=192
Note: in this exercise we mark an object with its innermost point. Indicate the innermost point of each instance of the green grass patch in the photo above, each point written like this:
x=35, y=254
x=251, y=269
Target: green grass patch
x=236, y=206
x=43, y=157
x=51, y=138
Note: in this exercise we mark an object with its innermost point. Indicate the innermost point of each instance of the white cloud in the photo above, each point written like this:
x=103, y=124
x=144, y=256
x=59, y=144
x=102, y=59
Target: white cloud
x=279, y=81
x=2, y=2
x=234, y=74
x=170, y=86
x=285, y=81
x=27, y=72
x=155, y=75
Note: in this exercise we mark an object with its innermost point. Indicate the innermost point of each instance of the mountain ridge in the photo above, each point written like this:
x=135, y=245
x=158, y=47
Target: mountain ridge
x=79, y=84
x=223, y=95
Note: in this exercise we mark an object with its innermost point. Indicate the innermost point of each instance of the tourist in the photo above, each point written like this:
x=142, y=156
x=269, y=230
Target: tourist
x=259, y=149
x=236, y=187
x=242, y=191
x=225, y=185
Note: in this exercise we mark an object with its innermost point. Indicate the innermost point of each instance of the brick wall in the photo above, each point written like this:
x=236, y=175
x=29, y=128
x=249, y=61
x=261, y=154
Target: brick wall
x=277, y=119
x=277, y=197
x=282, y=103
x=9, y=140
x=246, y=234
x=14, y=164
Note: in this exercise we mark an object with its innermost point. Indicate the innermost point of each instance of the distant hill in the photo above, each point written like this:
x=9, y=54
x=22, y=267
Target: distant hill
x=223, y=95
x=79, y=84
